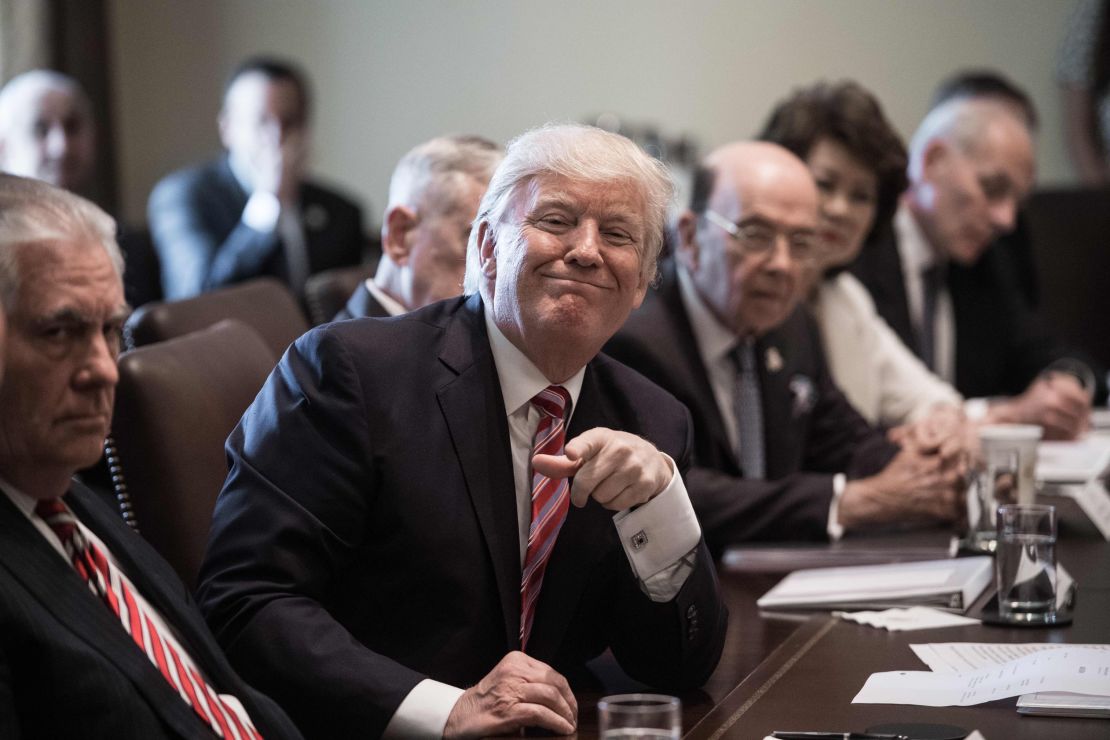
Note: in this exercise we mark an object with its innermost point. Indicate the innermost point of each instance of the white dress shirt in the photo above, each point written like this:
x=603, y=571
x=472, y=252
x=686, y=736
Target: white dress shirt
x=880, y=375
x=715, y=343
x=391, y=305
x=917, y=256
x=662, y=565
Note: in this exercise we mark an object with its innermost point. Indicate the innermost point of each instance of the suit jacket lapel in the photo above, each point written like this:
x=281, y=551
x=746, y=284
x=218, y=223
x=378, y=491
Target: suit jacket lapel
x=690, y=365
x=780, y=432
x=61, y=592
x=473, y=409
x=578, y=547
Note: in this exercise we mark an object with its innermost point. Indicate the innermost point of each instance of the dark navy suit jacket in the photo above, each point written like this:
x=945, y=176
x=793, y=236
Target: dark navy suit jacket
x=367, y=536
x=68, y=668
x=202, y=243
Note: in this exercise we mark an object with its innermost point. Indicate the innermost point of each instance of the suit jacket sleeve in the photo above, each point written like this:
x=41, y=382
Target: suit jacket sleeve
x=676, y=644
x=273, y=545
x=202, y=242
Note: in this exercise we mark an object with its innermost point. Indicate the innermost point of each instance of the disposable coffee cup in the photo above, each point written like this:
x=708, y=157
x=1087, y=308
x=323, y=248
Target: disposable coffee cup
x=997, y=441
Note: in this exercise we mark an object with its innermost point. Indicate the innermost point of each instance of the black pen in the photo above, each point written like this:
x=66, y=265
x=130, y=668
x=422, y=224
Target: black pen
x=836, y=736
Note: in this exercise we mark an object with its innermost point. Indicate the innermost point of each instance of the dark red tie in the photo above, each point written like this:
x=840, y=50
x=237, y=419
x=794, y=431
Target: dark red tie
x=550, y=500
x=178, y=669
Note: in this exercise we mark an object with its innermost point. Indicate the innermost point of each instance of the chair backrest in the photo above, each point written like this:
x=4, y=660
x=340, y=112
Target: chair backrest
x=176, y=403
x=264, y=304
x=328, y=291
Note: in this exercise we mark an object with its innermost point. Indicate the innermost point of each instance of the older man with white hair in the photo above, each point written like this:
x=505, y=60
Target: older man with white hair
x=99, y=638
x=433, y=199
x=397, y=526
x=947, y=294
x=46, y=129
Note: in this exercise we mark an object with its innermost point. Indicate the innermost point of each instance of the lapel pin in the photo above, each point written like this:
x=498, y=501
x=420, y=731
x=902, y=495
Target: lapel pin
x=774, y=360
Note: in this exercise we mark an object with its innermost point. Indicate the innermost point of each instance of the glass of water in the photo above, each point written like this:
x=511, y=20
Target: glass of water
x=628, y=716
x=1025, y=564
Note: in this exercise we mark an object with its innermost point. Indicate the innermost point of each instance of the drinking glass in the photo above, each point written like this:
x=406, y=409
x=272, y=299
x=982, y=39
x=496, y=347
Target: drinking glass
x=628, y=716
x=1025, y=564
x=994, y=484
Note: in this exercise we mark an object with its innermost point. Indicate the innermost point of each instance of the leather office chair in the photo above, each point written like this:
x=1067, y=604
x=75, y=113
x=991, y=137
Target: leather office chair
x=265, y=304
x=176, y=403
x=328, y=291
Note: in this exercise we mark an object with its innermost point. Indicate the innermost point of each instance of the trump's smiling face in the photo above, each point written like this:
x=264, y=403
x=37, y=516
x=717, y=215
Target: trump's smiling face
x=568, y=259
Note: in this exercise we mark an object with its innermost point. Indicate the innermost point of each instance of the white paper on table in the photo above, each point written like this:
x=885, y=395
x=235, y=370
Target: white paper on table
x=1094, y=500
x=965, y=657
x=1070, y=668
x=1077, y=461
x=904, y=620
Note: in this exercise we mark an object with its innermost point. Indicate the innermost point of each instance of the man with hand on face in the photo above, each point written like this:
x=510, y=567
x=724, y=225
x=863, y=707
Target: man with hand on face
x=253, y=212
x=433, y=199
x=949, y=296
x=397, y=522
x=99, y=638
x=46, y=129
x=780, y=453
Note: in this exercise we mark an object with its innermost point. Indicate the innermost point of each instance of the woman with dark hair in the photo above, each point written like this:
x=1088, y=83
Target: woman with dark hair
x=859, y=164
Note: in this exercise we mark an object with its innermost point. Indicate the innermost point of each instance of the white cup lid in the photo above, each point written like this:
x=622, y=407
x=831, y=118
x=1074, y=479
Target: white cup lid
x=1010, y=433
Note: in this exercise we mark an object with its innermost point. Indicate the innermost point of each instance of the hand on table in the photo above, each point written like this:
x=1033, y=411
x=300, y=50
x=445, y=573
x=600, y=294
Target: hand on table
x=911, y=488
x=1055, y=401
x=519, y=692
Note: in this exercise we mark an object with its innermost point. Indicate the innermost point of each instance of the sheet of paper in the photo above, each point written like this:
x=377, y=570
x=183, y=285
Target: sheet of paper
x=903, y=620
x=966, y=657
x=1094, y=500
x=1069, y=668
x=1077, y=461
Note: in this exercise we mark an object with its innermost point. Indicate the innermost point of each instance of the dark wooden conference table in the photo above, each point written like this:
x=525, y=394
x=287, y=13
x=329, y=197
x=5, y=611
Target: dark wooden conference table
x=800, y=672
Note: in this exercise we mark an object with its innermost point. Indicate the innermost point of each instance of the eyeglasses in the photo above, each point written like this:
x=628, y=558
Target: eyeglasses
x=759, y=239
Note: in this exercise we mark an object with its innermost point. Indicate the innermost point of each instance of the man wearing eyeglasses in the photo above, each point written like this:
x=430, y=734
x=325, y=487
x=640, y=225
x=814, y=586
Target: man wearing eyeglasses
x=779, y=452
x=953, y=299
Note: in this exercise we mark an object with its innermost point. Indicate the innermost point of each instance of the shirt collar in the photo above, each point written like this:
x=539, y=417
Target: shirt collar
x=392, y=306
x=714, y=339
x=22, y=501
x=520, y=379
x=914, y=248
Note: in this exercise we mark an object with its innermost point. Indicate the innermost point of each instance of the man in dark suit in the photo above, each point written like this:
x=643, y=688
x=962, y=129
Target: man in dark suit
x=433, y=199
x=253, y=212
x=780, y=453
x=76, y=584
x=952, y=298
x=385, y=533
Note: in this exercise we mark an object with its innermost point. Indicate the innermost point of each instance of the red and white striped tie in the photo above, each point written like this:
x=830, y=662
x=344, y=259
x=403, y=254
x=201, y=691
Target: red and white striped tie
x=178, y=669
x=550, y=500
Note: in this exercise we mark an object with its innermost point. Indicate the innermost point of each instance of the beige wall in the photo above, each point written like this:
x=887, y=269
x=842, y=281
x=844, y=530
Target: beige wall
x=389, y=74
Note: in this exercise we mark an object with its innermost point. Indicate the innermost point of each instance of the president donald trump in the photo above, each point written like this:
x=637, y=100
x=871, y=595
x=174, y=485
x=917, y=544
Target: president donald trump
x=430, y=519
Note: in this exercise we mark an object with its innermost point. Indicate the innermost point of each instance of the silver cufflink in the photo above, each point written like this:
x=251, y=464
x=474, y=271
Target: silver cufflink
x=639, y=540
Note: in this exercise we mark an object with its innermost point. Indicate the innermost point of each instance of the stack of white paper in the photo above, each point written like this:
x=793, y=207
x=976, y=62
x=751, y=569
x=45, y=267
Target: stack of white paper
x=965, y=674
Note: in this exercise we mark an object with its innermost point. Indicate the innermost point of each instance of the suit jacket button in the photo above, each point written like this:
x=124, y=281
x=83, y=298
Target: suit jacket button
x=692, y=611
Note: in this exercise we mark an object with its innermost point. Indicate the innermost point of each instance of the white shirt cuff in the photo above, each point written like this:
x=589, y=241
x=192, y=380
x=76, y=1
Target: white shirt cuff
x=424, y=711
x=659, y=534
x=835, y=528
x=976, y=408
x=262, y=211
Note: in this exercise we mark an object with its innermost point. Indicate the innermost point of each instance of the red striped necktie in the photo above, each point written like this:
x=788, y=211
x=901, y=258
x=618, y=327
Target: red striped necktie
x=550, y=500
x=177, y=668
